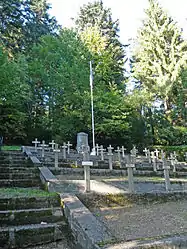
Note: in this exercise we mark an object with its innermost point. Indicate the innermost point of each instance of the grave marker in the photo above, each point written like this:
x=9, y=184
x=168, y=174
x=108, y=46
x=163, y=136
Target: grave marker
x=110, y=155
x=153, y=157
x=130, y=168
x=166, y=175
x=43, y=145
x=56, y=151
x=97, y=149
x=157, y=154
x=64, y=147
x=119, y=155
x=69, y=146
x=185, y=155
x=102, y=152
x=133, y=154
x=149, y=155
x=36, y=142
x=123, y=151
x=173, y=162
x=52, y=143
x=87, y=165
x=145, y=151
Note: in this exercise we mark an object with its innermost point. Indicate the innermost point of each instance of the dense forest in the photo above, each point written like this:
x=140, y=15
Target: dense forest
x=44, y=77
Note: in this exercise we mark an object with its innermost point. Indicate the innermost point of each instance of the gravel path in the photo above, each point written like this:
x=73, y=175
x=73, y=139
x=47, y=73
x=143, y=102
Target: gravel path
x=145, y=221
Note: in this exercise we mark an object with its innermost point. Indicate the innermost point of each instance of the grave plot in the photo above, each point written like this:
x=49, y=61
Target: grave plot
x=135, y=218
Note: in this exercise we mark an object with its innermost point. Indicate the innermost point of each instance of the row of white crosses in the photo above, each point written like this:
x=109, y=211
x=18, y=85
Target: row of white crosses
x=153, y=157
x=53, y=144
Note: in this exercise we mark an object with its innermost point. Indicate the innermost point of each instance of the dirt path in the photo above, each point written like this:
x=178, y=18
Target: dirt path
x=145, y=221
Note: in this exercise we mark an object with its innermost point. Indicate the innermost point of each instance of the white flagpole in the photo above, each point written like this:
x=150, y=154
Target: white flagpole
x=91, y=89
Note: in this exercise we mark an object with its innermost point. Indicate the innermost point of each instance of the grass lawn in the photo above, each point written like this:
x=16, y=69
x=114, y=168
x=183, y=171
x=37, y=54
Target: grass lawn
x=24, y=192
x=11, y=147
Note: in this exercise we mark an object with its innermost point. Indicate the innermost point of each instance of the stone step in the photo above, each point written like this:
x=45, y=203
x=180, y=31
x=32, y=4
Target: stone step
x=30, y=235
x=30, y=216
x=16, y=165
x=15, y=170
x=19, y=175
x=26, y=202
x=6, y=161
x=20, y=183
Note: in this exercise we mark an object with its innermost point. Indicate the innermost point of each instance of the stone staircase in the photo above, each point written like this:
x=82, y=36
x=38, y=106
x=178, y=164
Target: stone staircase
x=28, y=215
x=29, y=220
x=16, y=170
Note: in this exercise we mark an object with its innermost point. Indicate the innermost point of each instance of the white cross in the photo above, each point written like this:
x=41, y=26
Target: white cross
x=102, y=152
x=52, y=144
x=157, y=153
x=64, y=150
x=123, y=151
x=36, y=142
x=69, y=145
x=110, y=148
x=149, y=155
x=97, y=149
x=145, y=150
x=43, y=145
x=153, y=157
x=185, y=156
x=56, y=151
x=163, y=155
x=119, y=155
x=173, y=161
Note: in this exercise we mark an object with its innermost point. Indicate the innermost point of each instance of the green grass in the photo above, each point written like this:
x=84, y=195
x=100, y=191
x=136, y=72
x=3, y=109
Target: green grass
x=11, y=147
x=23, y=192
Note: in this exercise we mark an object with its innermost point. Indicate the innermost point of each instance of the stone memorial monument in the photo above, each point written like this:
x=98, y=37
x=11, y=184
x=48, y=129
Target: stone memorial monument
x=82, y=142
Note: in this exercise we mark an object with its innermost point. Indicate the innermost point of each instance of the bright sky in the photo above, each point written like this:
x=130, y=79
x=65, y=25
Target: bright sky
x=129, y=12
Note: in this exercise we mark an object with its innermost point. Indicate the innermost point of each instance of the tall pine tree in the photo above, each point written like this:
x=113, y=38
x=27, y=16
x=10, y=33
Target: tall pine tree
x=159, y=55
x=95, y=18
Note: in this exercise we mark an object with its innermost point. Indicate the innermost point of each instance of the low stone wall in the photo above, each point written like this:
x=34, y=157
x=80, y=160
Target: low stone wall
x=88, y=232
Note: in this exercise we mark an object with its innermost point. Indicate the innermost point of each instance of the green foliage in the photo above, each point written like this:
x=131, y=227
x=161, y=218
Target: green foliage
x=59, y=72
x=14, y=93
x=24, y=22
x=160, y=55
x=100, y=34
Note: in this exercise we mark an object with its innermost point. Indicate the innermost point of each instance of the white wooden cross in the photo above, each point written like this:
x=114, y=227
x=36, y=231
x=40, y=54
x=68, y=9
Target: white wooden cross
x=145, y=150
x=157, y=153
x=110, y=148
x=166, y=169
x=36, y=142
x=123, y=151
x=56, y=151
x=173, y=161
x=97, y=149
x=185, y=155
x=149, y=155
x=110, y=154
x=68, y=146
x=43, y=145
x=119, y=155
x=153, y=157
x=133, y=154
x=52, y=143
x=102, y=152
x=163, y=155
x=130, y=168
x=64, y=147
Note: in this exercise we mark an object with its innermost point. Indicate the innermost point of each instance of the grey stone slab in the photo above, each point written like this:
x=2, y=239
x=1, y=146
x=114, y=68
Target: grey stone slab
x=87, y=229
